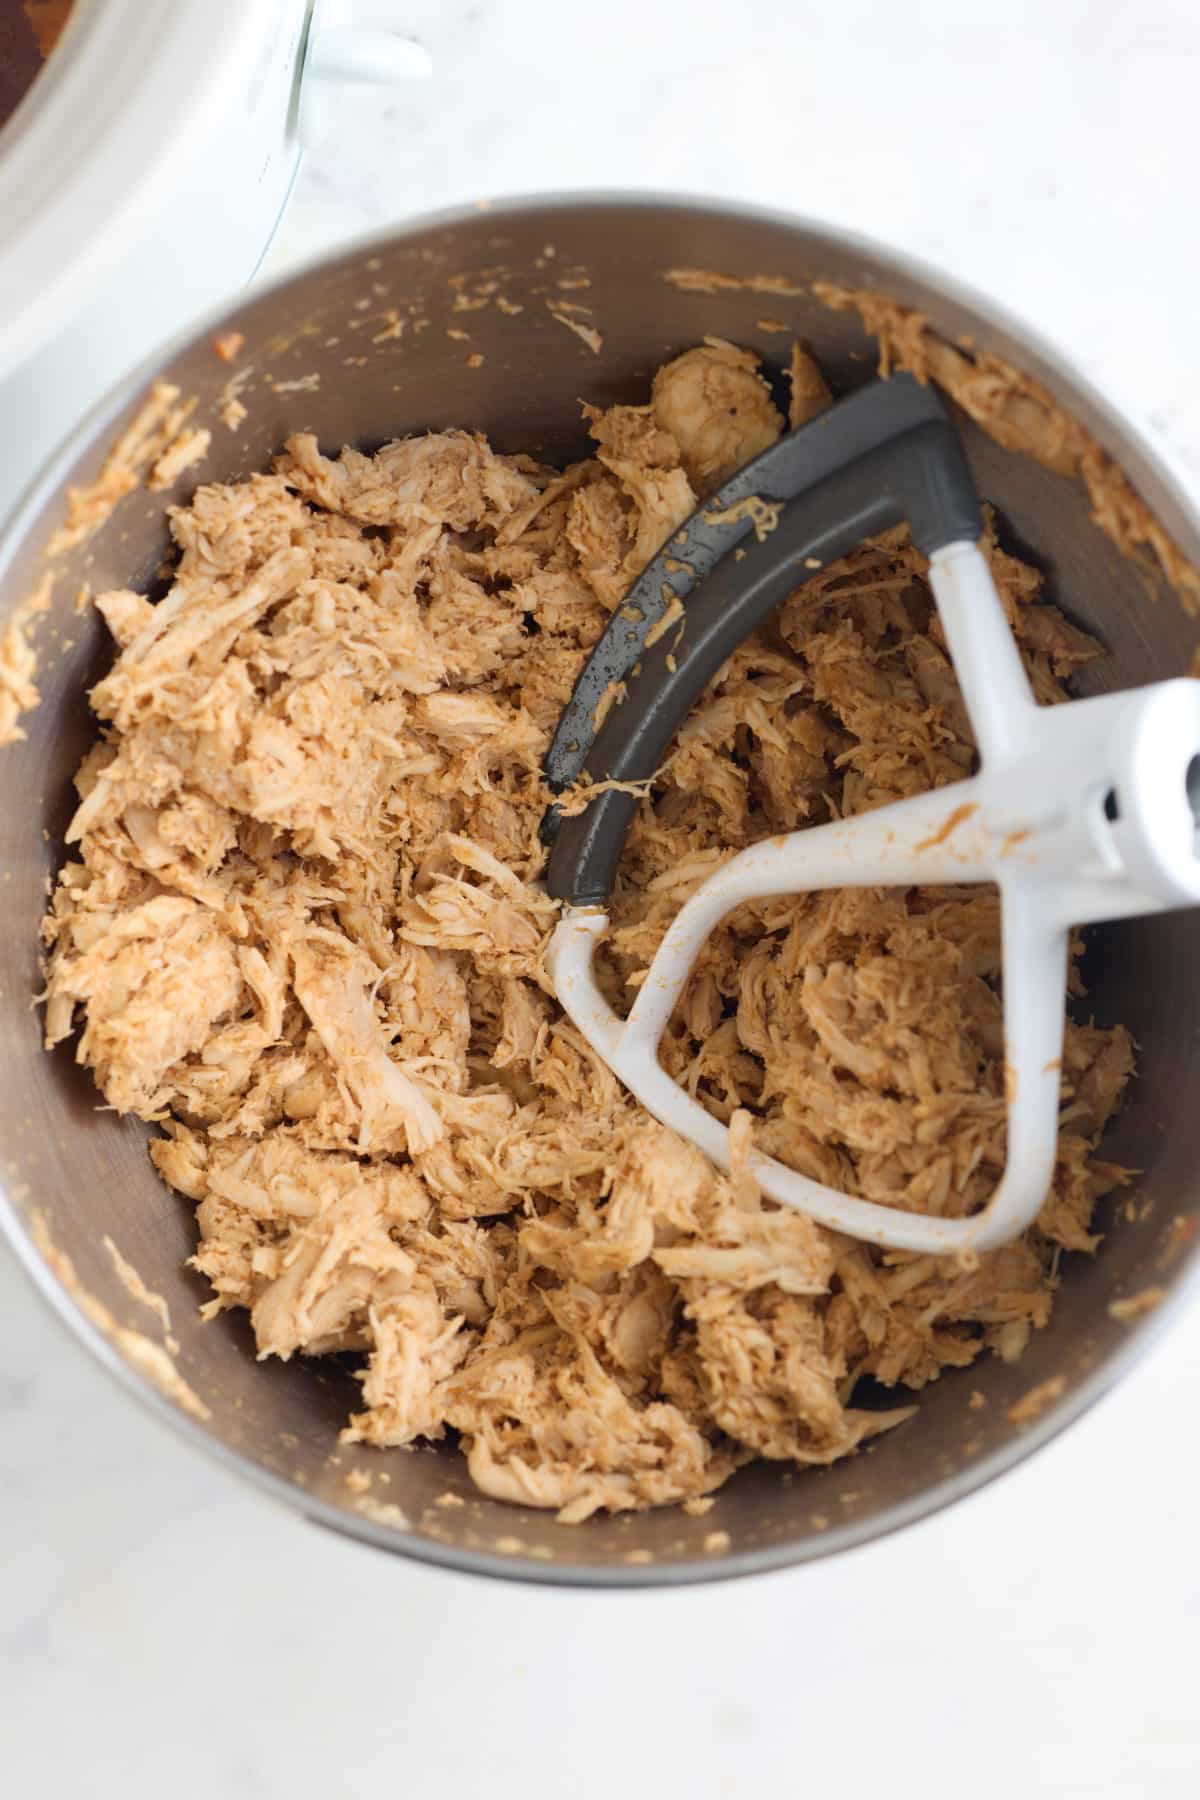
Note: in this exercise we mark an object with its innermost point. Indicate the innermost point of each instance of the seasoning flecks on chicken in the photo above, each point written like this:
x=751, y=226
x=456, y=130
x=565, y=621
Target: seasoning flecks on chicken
x=306, y=931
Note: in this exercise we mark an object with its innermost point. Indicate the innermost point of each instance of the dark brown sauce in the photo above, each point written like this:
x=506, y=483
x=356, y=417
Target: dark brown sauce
x=29, y=30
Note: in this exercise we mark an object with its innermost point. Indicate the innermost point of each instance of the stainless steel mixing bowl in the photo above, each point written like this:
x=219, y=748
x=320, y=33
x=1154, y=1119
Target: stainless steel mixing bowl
x=328, y=354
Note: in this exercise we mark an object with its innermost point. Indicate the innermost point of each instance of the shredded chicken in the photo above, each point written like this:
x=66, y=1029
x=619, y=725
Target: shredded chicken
x=1021, y=414
x=306, y=929
x=18, y=666
x=153, y=439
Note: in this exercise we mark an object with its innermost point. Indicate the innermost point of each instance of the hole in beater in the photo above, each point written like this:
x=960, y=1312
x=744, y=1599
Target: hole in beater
x=1191, y=782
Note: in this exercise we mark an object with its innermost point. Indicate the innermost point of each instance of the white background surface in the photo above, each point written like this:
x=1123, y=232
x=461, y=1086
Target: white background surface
x=162, y=1631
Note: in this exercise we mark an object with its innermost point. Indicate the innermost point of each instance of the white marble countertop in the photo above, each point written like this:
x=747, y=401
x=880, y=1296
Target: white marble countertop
x=165, y=1632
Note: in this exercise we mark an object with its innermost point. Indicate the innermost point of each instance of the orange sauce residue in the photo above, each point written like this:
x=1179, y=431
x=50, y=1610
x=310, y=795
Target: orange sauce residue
x=958, y=817
x=46, y=20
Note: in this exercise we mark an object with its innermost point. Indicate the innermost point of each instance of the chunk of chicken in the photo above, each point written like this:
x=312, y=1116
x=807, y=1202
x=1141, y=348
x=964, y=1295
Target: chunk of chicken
x=719, y=410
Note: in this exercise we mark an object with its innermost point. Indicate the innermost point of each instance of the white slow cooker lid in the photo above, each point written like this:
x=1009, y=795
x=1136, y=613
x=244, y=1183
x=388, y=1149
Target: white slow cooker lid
x=133, y=85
